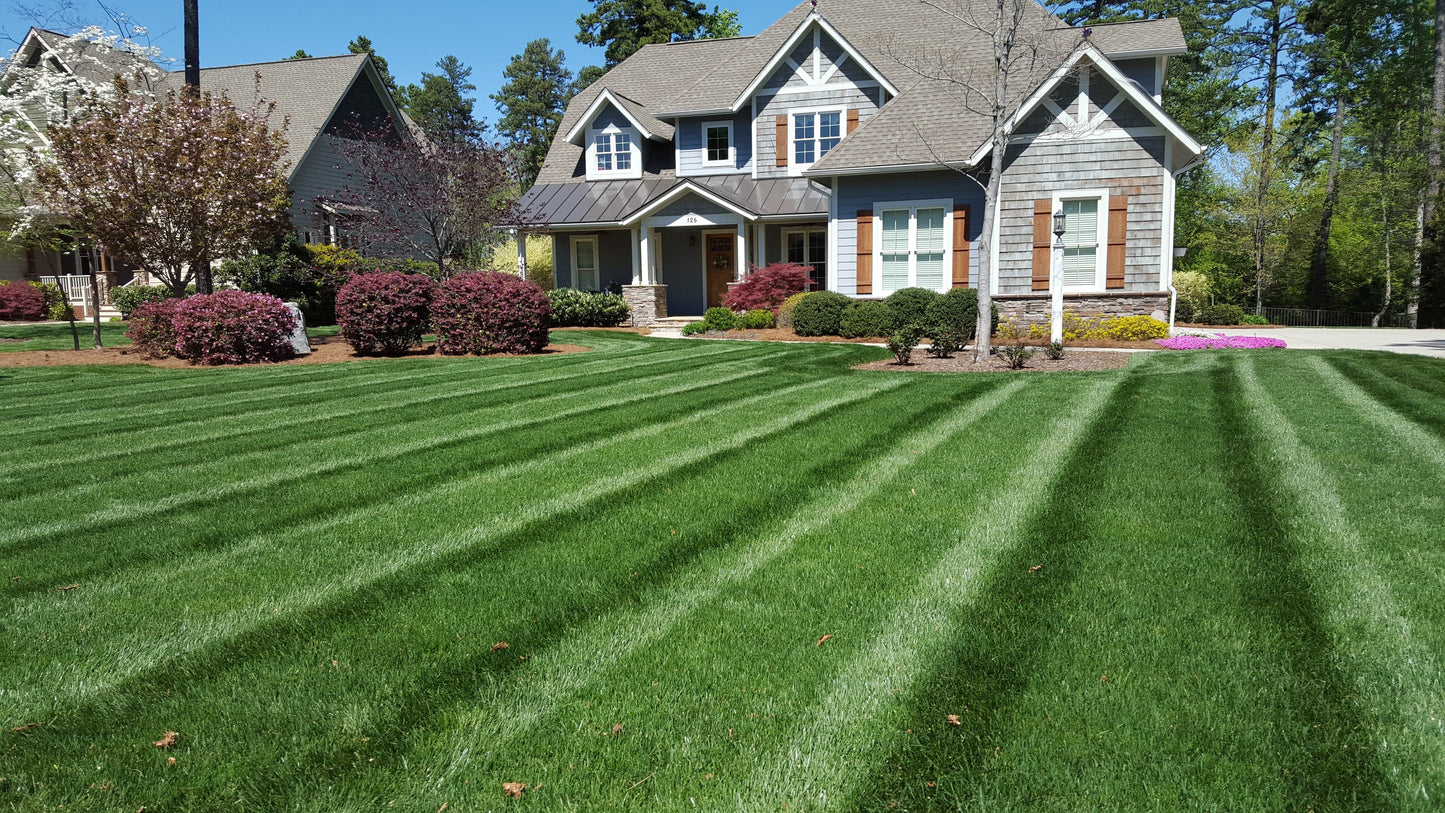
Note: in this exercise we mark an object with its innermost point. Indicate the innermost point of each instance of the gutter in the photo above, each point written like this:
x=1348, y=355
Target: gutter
x=1173, y=211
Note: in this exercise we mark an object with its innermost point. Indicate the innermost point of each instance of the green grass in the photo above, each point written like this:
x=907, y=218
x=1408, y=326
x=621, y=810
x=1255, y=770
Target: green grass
x=1208, y=581
x=56, y=336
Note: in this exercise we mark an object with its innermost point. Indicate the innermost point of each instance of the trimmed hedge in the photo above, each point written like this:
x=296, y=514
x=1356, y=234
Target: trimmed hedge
x=233, y=327
x=720, y=319
x=956, y=310
x=784, y=317
x=152, y=328
x=756, y=320
x=385, y=313
x=573, y=308
x=127, y=298
x=1220, y=315
x=490, y=312
x=910, y=306
x=866, y=319
x=22, y=302
x=819, y=313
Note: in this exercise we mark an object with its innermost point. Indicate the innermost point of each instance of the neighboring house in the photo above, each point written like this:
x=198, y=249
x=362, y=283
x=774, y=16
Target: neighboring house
x=318, y=99
x=827, y=141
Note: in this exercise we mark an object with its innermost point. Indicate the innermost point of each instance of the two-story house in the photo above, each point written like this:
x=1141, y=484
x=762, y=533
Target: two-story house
x=844, y=137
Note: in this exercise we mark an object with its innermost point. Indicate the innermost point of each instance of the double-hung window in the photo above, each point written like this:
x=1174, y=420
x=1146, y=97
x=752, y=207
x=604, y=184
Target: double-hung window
x=1084, y=236
x=814, y=134
x=809, y=247
x=718, y=142
x=584, y=263
x=913, y=245
x=613, y=153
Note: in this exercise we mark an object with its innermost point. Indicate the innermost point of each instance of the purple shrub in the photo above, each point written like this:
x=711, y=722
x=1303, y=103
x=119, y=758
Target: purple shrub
x=152, y=328
x=22, y=302
x=490, y=312
x=385, y=313
x=1219, y=341
x=233, y=327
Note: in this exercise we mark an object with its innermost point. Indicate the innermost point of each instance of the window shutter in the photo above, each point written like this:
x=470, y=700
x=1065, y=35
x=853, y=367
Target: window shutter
x=1043, y=242
x=782, y=130
x=960, y=246
x=865, y=252
x=1118, y=240
x=852, y=120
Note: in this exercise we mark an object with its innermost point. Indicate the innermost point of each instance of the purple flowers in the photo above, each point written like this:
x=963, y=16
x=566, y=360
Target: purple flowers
x=1218, y=341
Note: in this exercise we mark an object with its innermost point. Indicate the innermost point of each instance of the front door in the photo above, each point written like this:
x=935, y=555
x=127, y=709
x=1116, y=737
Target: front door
x=720, y=262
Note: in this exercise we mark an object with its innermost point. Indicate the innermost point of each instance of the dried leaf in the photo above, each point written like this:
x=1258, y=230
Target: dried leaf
x=514, y=789
x=14, y=578
x=170, y=762
x=168, y=740
x=499, y=645
x=825, y=639
x=616, y=729
x=443, y=807
x=24, y=728
x=933, y=784
x=68, y=589
x=1036, y=568
x=1104, y=679
x=953, y=720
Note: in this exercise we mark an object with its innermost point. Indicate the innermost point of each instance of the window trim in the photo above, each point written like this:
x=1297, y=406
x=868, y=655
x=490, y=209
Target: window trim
x=634, y=151
x=913, y=206
x=1101, y=253
x=732, y=159
x=795, y=168
x=596, y=262
x=805, y=231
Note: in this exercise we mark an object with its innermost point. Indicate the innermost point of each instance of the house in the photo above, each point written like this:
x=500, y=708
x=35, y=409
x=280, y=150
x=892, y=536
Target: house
x=318, y=98
x=834, y=139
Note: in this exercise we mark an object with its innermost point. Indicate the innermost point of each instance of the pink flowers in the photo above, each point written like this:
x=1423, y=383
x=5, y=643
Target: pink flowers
x=1218, y=341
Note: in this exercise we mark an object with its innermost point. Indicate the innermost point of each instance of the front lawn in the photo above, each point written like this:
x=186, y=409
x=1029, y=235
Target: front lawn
x=725, y=575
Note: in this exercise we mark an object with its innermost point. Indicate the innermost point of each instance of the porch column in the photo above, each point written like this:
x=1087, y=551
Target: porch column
x=521, y=253
x=742, y=253
x=762, y=245
x=644, y=248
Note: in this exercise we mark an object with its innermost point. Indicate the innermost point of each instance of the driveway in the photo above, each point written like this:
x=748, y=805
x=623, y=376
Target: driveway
x=1417, y=342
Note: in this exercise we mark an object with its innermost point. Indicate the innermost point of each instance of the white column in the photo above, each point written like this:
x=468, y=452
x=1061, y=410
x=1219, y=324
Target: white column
x=762, y=241
x=637, y=250
x=742, y=255
x=521, y=252
x=649, y=274
x=1056, y=292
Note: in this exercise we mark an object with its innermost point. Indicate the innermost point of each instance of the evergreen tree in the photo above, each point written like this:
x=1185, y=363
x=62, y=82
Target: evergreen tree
x=439, y=105
x=300, y=54
x=585, y=77
x=623, y=26
x=532, y=101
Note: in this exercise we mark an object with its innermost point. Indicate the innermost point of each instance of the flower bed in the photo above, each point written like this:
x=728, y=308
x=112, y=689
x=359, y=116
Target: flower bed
x=1219, y=341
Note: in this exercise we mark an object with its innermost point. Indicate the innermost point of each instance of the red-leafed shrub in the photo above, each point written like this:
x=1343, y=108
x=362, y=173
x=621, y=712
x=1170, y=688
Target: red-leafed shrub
x=233, y=327
x=385, y=313
x=490, y=312
x=21, y=302
x=767, y=288
x=152, y=328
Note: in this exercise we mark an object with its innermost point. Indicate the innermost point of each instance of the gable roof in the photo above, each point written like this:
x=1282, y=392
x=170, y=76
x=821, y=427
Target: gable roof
x=645, y=123
x=781, y=54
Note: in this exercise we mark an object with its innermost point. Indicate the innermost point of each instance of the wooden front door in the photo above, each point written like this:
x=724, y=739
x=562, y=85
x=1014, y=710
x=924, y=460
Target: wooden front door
x=720, y=264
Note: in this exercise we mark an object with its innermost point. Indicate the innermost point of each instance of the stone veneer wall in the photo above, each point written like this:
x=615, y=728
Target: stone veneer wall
x=648, y=303
x=1031, y=309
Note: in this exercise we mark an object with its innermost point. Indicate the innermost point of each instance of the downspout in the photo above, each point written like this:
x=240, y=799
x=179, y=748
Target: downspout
x=1173, y=213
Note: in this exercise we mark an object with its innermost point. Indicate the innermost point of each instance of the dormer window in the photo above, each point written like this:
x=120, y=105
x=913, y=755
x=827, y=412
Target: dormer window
x=815, y=132
x=614, y=153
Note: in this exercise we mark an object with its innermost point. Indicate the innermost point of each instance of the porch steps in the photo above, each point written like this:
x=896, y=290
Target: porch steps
x=670, y=327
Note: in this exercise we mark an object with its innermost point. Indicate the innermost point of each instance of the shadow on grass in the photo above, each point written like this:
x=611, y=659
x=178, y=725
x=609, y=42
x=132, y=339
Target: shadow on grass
x=1399, y=385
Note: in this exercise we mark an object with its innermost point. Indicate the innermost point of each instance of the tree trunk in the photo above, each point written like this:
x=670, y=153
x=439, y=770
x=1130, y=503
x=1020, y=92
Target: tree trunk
x=1266, y=154
x=204, y=285
x=94, y=303
x=1319, y=264
x=1003, y=37
x=1389, y=272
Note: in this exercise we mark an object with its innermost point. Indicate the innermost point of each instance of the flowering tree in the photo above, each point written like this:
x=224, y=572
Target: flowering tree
x=167, y=182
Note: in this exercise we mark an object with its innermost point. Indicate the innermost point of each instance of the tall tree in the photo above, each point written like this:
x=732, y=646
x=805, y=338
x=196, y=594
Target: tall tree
x=440, y=104
x=300, y=54
x=623, y=26
x=362, y=45
x=532, y=101
x=720, y=23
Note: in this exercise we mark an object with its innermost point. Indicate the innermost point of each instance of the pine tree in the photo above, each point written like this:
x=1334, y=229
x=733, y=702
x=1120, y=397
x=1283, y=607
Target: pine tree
x=624, y=26
x=439, y=105
x=532, y=101
x=362, y=45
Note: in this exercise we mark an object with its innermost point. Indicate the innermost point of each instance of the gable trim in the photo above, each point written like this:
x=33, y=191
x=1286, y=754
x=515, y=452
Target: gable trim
x=574, y=135
x=782, y=55
x=679, y=191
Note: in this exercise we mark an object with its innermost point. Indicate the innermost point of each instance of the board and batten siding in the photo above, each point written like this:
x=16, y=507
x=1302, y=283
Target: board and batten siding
x=1123, y=166
x=857, y=194
x=692, y=147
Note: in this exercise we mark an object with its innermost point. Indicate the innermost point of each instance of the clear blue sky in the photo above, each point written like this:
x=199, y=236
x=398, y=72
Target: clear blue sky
x=412, y=36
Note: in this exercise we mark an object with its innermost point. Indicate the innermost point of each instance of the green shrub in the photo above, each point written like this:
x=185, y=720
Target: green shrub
x=1055, y=351
x=126, y=299
x=866, y=319
x=1194, y=291
x=957, y=309
x=573, y=308
x=910, y=305
x=694, y=328
x=720, y=319
x=1251, y=319
x=1015, y=355
x=57, y=306
x=947, y=339
x=902, y=342
x=785, y=310
x=1221, y=315
x=756, y=320
x=819, y=313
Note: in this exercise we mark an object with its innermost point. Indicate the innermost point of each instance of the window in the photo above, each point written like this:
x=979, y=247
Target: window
x=814, y=133
x=913, y=245
x=584, y=264
x=1085, y=227
x=809, y=247
x=718, y=141
x=613, y=154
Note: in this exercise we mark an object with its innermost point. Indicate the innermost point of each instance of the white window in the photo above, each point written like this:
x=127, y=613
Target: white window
x=584, y=264
x=1086, y=225
x=717, y=137
x=613, y=153
x=913, y=242
x=808, y=247
x=814, y=133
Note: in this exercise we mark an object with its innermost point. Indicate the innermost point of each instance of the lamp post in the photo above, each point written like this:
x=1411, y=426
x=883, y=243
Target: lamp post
x=1056, y=281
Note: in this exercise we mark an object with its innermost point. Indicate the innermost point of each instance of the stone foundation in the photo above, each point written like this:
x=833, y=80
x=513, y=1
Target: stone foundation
x=1030, y=309
x=648, y=303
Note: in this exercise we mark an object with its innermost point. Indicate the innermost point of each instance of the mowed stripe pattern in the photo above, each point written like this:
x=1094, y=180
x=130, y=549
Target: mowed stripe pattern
x=729, y=576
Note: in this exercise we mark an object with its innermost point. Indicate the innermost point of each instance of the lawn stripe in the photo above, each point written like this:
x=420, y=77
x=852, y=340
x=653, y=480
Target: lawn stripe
x=1394, y=672
x=584, y=656
x=126, y=510
x=157, y=648
x=1414, y=437
x=815, y=767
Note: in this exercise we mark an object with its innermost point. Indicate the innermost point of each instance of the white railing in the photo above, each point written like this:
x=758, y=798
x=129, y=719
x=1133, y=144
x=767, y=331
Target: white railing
x=77, y=287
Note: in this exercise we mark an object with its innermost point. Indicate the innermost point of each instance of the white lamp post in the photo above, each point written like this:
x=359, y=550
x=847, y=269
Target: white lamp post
x=1056, y=281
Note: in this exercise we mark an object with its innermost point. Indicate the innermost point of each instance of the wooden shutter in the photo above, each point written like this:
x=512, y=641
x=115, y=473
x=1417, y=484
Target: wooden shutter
x=782, y=130
x=960, y=246
x=1043, y=242
x=865, y=252
x=852, y=120
x=1118, y=240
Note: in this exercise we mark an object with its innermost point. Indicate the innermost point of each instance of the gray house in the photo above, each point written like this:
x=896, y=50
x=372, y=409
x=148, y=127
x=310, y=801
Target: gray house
x=844, y=137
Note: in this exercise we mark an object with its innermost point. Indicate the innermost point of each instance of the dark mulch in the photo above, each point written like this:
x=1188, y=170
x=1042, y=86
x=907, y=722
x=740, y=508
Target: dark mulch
x=1074, y=361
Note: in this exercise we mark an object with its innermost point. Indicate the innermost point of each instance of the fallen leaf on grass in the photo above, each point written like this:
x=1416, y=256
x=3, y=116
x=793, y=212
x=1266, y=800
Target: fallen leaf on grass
x=499, y=645
x=933, y=784
x=443, y=807
x=68, y=589
x=170, y=762
x=953, y=720
x=1103, y=678
x=616, y=729
x=825, y=639
x=1036, y=568
x=14, y=578
x=24, y=728
x=514, y=789
x=167, y=741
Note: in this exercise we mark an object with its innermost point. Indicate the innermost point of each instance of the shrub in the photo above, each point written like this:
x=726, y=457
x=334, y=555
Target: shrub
x=310, y=276
x=1251, y=319
x=1131, y=329
x=902, y=342
x=768, y=288
x=784, y=317
x=1221, y=315
x=573, y=308
x=1015, y=354
x=1055, y=351
x=490, y=312
x=1194, y=291
x=385, y=313
x=233, y=327
x=129, y=297
x=57, y=305
x=152, y=328
x=910, y=305
x=947, y=339
x=21, y=302
x=760, y=319
x=957, y=309
x=503, y=258
x=694, y=328
x=865, y=319
x=720, y=319
x=819, y=313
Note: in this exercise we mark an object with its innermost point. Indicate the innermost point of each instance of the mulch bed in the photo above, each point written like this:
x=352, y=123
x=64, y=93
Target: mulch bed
x=324, y=350
x=1072, y=362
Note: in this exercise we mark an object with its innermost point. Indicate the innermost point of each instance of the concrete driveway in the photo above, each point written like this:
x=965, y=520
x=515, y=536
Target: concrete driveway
x=1417, y=342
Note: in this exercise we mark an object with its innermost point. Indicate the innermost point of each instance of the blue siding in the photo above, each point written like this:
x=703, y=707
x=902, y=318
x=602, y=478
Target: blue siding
x=614, y=257
x=692, y=151
x=858, y=194
x=1141, y=71
x=682, y=271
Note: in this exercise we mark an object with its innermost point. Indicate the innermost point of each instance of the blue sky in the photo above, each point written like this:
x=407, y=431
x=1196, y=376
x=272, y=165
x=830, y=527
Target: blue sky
x=412, y=36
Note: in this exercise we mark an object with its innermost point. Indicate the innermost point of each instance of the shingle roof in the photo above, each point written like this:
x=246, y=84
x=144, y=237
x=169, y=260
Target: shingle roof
x=93, y=62
x=556, y=204
x=1141, y=36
